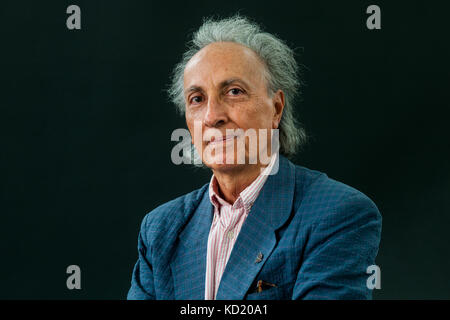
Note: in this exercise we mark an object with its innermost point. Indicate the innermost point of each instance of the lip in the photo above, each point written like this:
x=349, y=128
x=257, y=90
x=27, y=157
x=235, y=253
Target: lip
x=223, y=139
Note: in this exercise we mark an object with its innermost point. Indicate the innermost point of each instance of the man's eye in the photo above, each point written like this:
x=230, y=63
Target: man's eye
x=235, y=91
x=196, y=99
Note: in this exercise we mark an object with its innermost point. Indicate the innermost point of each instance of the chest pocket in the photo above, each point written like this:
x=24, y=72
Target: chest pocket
x=278, y=271
x=280, y=292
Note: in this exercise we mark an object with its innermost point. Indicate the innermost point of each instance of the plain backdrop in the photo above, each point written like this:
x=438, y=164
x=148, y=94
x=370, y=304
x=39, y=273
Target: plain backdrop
x=85, y=131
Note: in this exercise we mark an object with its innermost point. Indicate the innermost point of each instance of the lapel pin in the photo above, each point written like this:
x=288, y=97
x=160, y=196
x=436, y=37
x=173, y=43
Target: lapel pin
x=259, y=257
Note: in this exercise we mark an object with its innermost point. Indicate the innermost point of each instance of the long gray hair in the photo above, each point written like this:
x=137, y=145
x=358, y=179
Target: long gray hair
x=281, y=69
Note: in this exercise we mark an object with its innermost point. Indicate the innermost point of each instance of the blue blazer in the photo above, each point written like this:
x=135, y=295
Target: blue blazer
x=316, y=238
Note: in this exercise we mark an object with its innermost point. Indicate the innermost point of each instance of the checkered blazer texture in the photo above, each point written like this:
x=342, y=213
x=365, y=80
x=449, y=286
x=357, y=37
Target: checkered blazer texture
x=227, y=222
x=311, y=236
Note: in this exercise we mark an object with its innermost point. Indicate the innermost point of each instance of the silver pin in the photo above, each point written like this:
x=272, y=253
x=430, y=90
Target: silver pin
x=259, y=257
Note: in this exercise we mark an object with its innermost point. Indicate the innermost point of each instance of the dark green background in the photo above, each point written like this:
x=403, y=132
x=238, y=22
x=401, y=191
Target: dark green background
x=85, y=131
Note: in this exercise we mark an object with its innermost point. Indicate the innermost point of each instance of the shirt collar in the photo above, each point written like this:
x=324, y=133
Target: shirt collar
x=248, y=196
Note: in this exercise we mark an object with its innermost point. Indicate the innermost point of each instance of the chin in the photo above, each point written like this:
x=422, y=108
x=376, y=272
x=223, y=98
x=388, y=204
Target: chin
x=214, y=165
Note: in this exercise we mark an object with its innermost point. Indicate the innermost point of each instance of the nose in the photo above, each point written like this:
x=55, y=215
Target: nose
x=215, y=115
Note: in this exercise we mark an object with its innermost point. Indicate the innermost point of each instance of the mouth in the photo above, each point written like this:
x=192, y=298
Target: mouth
x=222, y=139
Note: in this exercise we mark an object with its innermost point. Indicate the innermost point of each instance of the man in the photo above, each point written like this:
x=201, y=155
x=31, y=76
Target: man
x=259, y=229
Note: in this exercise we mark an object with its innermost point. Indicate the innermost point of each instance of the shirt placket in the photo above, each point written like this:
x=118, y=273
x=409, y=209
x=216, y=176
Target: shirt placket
x=227, y=224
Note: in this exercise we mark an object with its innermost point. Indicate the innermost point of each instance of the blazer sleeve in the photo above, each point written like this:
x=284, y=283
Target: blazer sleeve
x=342, y=244
x=142, y=286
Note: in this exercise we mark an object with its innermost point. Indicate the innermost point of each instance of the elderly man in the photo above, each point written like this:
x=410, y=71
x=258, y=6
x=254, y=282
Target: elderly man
x=259, y=229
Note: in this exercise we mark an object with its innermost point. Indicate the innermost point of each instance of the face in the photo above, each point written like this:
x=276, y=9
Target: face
x=225, y=89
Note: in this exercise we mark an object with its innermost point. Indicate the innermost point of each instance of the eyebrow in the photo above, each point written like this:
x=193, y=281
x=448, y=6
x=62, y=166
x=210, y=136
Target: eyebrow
x=222, y=85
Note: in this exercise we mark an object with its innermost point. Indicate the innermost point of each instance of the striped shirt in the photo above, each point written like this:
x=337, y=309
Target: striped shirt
x=227, y=223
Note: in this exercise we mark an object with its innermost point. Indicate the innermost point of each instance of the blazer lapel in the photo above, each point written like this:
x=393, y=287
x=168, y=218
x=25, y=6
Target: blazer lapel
x=188, y=264
x=257, y=237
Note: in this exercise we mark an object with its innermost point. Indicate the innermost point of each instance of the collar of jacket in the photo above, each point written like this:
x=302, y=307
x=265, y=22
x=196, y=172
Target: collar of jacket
x=270, y=211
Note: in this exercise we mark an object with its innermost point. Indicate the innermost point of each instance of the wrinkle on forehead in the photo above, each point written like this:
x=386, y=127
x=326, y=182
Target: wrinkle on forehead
x=224, y=58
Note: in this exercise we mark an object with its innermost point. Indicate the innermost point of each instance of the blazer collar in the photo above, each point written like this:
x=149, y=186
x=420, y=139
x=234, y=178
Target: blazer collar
x=257, y=237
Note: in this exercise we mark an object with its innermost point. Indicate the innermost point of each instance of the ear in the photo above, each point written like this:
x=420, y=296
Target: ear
x=278, y=104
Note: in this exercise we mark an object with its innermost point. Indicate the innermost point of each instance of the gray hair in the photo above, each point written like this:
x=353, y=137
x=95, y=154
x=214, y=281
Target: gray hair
x=281, y=69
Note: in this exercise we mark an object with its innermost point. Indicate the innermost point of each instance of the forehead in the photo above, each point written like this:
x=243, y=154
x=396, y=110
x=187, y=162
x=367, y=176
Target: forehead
x=221, y=60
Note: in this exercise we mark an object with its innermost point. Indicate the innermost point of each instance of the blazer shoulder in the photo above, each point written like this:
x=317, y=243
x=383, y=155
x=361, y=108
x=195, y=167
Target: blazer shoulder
x=173, y=212
x=323, y=195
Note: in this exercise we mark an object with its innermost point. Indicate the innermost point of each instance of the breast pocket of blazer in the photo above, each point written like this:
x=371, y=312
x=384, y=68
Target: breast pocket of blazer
x=276, y=283
x=278, y=292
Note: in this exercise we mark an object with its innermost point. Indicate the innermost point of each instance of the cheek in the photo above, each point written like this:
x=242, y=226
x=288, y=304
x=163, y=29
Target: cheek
x=190, y=125
x=196, y=130
x=191, y=119
x=255, y=115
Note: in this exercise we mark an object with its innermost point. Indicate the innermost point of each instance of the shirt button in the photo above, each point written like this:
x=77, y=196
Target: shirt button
x=230, y=235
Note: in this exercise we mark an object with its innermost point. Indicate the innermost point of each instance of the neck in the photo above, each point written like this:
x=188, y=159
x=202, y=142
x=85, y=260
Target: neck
x=233, y=182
